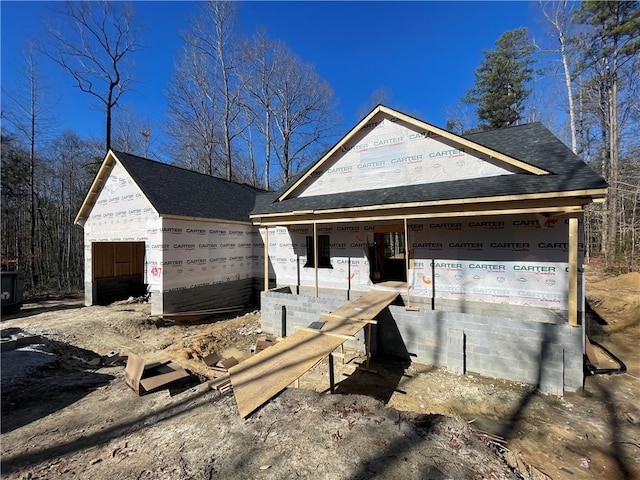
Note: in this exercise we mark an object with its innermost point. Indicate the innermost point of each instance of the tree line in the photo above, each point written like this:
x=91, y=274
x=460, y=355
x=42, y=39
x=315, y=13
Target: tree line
x=597, y=45
x=248, y=109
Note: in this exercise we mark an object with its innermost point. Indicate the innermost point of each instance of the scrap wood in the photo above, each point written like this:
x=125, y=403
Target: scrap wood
x=210, y=311
x=211, y=359
x=263, y=342
x=220, y=383
x=227, y=363
x=217, y=365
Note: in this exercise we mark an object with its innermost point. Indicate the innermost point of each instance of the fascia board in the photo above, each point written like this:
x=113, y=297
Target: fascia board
x=593, y=194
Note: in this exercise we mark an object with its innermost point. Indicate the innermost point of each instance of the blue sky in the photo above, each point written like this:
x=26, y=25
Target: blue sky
x=423, y=54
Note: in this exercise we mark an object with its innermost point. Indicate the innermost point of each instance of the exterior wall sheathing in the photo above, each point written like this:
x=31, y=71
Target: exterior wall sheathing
x=522, y=344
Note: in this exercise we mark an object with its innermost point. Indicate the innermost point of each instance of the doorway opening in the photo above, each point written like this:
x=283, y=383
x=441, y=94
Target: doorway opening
x=117, y=270
x=387, y=257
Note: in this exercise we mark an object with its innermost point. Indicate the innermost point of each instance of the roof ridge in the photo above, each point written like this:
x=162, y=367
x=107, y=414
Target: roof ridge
x=509, y=127
x=120, y=152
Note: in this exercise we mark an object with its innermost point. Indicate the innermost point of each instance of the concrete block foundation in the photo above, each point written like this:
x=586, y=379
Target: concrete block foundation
x=523, y=344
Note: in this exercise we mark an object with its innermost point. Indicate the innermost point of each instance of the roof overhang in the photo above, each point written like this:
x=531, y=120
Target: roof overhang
x=202, y=219
x=96, y=187
x=555, y=203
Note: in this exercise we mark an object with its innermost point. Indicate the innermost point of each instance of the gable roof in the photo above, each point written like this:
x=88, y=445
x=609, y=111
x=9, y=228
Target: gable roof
x=418, y=124
x=547, y=168
x=176, y=192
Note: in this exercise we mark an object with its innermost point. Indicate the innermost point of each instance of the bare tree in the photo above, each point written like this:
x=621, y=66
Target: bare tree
x=380, y=96
x=132, y=132
x=94, y=47
x=212, y=35
x=303, y=114
x=63, y=189
x=460, y=118
x=559, y=17
x=260, y=61
x=29, y=114
x=16, y=207
x=192, y=126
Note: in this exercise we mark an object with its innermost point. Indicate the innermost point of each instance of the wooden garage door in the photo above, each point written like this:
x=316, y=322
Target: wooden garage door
x=117, y=259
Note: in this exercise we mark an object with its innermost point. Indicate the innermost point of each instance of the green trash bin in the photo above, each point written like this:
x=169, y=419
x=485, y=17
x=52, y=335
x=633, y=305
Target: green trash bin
x=12, y=288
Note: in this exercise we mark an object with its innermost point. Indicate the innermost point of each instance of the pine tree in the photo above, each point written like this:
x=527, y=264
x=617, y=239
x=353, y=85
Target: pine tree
x=613, y=43
x=501, y=81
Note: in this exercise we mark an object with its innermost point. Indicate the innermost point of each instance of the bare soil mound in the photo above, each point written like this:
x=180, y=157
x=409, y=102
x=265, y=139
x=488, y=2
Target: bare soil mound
x=617, y=299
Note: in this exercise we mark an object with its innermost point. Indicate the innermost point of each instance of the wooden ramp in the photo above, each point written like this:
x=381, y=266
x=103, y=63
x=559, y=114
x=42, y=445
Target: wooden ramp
x=259, y=378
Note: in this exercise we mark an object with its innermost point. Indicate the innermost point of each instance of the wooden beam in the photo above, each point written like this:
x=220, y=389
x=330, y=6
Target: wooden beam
x=422, y=214
x=315, y=254
x=266, y=259
x=571, y=198
x=573, y=271
x=332, y=382
x=406, y=261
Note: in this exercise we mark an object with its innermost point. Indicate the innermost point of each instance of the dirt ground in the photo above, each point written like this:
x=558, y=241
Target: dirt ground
x=63, y=415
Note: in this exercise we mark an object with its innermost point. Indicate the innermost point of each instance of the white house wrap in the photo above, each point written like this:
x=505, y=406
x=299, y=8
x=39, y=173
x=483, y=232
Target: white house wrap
x=182, y=237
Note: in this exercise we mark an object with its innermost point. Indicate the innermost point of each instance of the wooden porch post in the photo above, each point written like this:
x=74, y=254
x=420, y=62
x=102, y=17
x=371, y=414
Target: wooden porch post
x=406, y=249
x=315, y=253
x=573, y=271
x=266, y=259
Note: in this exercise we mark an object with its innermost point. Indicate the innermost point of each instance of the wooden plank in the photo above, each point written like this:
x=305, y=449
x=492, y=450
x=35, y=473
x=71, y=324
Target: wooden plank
x=266, y=259
x=522, y=203
x=590, y=352
x=331, y=316
x=367, y=306
x=573, y=271
x=321, y=332
x=262, y=376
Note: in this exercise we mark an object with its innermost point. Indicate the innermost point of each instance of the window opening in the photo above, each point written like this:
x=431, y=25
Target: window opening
x=324, y=252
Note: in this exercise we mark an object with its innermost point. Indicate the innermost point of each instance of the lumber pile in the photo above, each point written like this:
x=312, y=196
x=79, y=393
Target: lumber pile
x=219, y=367
x=263, y=342
x=222, y=384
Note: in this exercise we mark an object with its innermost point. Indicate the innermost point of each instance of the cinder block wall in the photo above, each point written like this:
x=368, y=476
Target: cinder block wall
x=530, y=345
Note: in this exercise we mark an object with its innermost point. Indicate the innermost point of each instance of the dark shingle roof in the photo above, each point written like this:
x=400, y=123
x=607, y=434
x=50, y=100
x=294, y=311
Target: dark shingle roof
x=532, y=143
x=175, y=191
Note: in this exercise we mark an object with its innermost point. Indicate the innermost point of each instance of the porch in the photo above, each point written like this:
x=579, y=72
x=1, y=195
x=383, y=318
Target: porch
x=517, y=343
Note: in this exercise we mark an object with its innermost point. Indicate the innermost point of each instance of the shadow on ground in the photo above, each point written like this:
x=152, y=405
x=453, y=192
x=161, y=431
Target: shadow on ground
x=380, y=382
x=53, y=371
